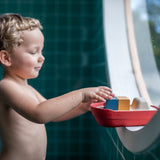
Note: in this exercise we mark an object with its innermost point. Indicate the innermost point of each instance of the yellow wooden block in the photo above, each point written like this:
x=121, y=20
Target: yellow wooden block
x=123, y=103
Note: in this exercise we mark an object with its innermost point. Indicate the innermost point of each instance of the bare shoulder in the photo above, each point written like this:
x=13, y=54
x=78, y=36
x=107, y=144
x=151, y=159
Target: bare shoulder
x=11, y=93
x=8, y=87
x=16, y=95
x=5, y=83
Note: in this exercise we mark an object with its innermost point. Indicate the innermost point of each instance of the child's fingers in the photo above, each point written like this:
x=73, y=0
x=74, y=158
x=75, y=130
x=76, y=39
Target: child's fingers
x=100, y=94
x=103, y=96
x=108, y=92
x=99, y=98
x=105, y=88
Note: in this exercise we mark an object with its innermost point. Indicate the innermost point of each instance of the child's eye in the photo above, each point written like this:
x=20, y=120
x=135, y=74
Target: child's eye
x=33, y=53
x=37, y=52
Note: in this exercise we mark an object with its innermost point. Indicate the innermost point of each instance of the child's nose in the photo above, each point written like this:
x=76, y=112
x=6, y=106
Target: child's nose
x=41, y=58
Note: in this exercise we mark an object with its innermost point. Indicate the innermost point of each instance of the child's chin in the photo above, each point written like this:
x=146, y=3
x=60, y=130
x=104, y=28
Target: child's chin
x=32, y=77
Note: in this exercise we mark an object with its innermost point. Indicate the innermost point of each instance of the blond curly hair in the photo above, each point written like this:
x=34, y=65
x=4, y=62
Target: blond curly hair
x=11, y=30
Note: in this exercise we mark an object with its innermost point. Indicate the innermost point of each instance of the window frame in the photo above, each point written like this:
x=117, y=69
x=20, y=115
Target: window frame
x=119, y=37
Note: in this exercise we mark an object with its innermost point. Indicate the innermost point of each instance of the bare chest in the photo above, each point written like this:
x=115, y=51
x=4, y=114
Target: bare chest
x=23, y=137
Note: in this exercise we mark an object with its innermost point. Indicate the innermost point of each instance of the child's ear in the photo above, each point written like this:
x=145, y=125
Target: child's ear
x=5, y=58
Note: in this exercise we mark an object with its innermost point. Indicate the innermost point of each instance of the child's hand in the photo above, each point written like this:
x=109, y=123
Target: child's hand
x=97, y=94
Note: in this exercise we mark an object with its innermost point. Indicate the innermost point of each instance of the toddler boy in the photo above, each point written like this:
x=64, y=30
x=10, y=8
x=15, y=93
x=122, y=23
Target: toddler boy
x=24, y=111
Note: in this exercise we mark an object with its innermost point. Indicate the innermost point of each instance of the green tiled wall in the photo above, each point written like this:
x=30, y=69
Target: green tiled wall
x=68, y=27
x=98, y=54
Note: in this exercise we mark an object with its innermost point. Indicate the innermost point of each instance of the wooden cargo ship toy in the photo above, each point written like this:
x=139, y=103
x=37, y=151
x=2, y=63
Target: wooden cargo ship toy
x=119, y=113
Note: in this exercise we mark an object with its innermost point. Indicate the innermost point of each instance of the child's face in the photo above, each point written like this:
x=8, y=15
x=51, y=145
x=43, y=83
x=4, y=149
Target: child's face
x=27, y=59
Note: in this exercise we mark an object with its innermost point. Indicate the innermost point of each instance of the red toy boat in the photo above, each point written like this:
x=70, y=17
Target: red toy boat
x=112, y=118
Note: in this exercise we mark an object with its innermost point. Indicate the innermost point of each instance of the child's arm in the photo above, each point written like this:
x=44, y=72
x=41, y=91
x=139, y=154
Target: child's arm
x=49, y=110
x=78, y=102
x=77, y=111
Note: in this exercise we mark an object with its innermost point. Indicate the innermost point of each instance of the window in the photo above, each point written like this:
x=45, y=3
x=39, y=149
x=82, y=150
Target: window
x=146, y=23
x=132, y=46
